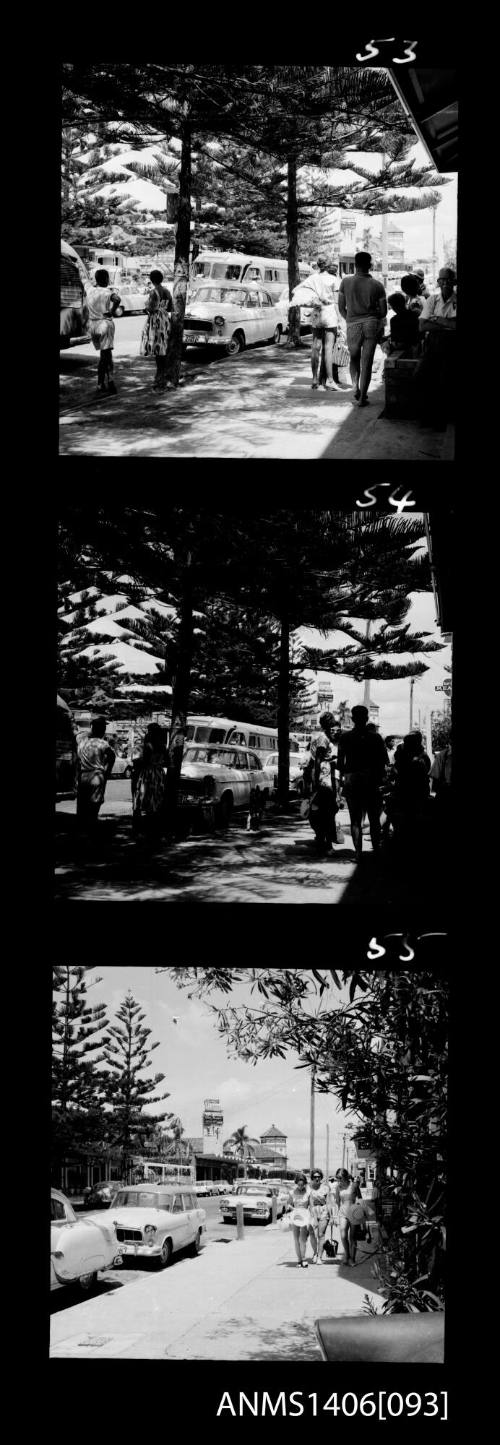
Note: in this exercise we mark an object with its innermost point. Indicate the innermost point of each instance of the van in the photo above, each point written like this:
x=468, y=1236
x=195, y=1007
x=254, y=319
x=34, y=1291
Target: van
x=73, y=278
x=66, y=752
x=271, y=272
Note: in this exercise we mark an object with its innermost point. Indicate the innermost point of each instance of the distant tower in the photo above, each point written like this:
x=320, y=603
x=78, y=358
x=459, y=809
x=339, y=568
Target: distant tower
x=212, y=1122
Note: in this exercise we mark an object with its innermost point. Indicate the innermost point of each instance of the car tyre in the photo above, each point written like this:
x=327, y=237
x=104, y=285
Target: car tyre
x=87, y=1281
x=277, y=335
x=224, y=810
x=236, y=344
x=165, y=1254
x=196, y=1245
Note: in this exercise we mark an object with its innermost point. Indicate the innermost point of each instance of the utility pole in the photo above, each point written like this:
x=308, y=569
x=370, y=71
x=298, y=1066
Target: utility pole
x=366, y=693
x=327, y=1168
x=313, y=1103
x=434, y=257
x=412, y=685
x=385, y=249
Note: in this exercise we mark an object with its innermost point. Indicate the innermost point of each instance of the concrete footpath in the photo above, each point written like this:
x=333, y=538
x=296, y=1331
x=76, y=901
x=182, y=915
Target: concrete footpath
x=259, y=404
x=239, y=1300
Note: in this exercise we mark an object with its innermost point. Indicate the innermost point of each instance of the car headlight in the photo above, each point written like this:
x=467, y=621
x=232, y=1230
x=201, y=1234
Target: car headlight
x=219, y=321
x=149, y=1233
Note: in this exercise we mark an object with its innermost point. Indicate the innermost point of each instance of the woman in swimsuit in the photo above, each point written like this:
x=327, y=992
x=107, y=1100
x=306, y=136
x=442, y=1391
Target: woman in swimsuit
x=346, y=1192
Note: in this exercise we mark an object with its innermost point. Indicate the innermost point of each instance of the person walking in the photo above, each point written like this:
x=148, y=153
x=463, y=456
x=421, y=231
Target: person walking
x=347, y=1191
x=412, y=767
x=99, y=308
x=362, y=760
x=321, y=1211
x=95, y=765
x=321, y=293
x=149, y=781
x=323, y=805
x=300, y=1218
x=156, y=329
x=362, y=303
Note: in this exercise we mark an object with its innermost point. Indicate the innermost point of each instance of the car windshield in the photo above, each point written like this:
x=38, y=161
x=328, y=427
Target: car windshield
x=271, y=761
x=143, y=1199
x=252, y=1189
x=228, y=295
x=209, y=755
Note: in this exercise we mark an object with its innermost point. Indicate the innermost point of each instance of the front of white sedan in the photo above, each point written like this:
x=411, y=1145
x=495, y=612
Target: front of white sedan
x=231, y=317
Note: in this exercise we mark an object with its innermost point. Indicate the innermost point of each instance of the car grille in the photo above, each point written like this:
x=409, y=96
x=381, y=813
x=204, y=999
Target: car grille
x=126, y=1235
x=191, y=325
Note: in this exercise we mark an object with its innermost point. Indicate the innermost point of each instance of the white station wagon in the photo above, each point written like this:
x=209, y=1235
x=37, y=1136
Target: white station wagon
x=156, y=1221
x=232, y=317
x=78, y=1247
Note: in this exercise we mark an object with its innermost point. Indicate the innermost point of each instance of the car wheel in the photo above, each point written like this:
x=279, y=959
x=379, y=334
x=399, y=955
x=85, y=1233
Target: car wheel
x=196, y=1245
x=277, y=335
x=165, y=1254
x=120, y=311
x=224, y=810
x=87, y=1281
x=236, y=344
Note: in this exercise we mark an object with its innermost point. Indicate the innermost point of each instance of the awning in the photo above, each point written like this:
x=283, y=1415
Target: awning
x=430, y=98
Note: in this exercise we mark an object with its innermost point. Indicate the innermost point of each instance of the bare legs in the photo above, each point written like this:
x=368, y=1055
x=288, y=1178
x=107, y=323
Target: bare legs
x=348, y=1244
x=300, y=1242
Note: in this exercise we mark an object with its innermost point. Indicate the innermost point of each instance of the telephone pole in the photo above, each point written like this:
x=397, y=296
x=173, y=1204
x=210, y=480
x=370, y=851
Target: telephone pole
x=313, y=1104
x=412, y=685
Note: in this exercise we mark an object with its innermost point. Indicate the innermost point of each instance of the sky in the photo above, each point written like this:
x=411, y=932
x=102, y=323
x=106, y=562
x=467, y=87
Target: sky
x=194, y=1059
x=417, y=225
x=393, y=697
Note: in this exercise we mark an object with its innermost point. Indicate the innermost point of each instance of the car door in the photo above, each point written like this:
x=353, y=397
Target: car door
x=244, y=777
x=269, y=316
x=180, y=1223
x=253, y=316
x=191, y=1207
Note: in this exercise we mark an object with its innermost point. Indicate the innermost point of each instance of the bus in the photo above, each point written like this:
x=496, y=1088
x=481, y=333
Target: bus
x=271, y=272
x=261, y=739
x=157, y=1172
x=73, y=279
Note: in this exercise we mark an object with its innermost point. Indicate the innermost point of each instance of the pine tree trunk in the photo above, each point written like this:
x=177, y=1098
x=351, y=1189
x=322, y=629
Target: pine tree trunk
x=181, y=691
x=284, y=709
x=181, y=265
x=292, y=231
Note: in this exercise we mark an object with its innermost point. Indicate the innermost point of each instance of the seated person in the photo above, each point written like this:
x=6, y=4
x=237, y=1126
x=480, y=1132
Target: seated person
x=439, y=312
x=403, y=325
x=410, y=286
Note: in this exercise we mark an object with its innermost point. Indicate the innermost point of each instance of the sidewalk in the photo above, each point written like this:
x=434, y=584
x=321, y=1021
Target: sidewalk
x=242, y=1300
x=257, y=405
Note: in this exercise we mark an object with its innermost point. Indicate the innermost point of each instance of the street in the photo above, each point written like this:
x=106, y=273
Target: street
x=133, y=1270
x=258, y=404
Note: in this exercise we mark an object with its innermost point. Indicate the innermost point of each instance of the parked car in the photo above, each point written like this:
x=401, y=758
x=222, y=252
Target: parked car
x=257, y=1199
x=231, y=317
x=226, y=776
x=99, y=1196
x=296, y=774
x=78, y=1247
x=283, y=304
x=122, y=767
x=202, y=1188
x=156, y=1221
x=132, y=299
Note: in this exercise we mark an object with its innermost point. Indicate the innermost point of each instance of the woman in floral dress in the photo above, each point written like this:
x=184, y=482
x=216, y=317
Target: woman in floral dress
x=156, y=329
x=149, y=781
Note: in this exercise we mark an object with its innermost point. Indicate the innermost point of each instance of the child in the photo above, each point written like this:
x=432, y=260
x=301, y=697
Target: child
x=403, y=325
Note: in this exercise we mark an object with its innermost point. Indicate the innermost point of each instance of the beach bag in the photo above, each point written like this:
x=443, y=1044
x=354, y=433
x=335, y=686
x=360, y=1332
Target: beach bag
x=341, y=354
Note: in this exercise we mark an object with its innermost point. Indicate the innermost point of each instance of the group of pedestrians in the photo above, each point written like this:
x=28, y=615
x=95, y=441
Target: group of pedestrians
x=358, y=304
x=317, y=1206
x=101, y=306
x=373, y=785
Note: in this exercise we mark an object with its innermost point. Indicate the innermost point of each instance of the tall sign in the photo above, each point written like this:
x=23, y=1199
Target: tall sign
x=212, y=1122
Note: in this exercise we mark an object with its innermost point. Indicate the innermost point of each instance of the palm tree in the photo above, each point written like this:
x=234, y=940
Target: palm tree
x=241, y=1145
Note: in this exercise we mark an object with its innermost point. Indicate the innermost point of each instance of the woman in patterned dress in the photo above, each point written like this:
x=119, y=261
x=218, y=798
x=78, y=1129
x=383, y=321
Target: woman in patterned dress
x=156, y=329
x=149, y=781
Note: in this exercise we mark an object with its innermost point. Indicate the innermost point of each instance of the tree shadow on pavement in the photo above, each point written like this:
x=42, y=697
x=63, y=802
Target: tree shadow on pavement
x=290, y=1340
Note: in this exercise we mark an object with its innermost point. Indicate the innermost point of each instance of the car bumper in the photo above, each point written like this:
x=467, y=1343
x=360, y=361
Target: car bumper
x=204, y=339
x=230, y=1218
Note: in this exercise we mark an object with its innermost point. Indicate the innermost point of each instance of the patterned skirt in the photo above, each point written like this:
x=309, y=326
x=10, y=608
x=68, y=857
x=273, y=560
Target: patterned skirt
x=155, y=333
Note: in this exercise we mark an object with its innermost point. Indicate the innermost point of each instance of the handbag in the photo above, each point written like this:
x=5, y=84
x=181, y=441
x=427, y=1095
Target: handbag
x=331, y=1245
